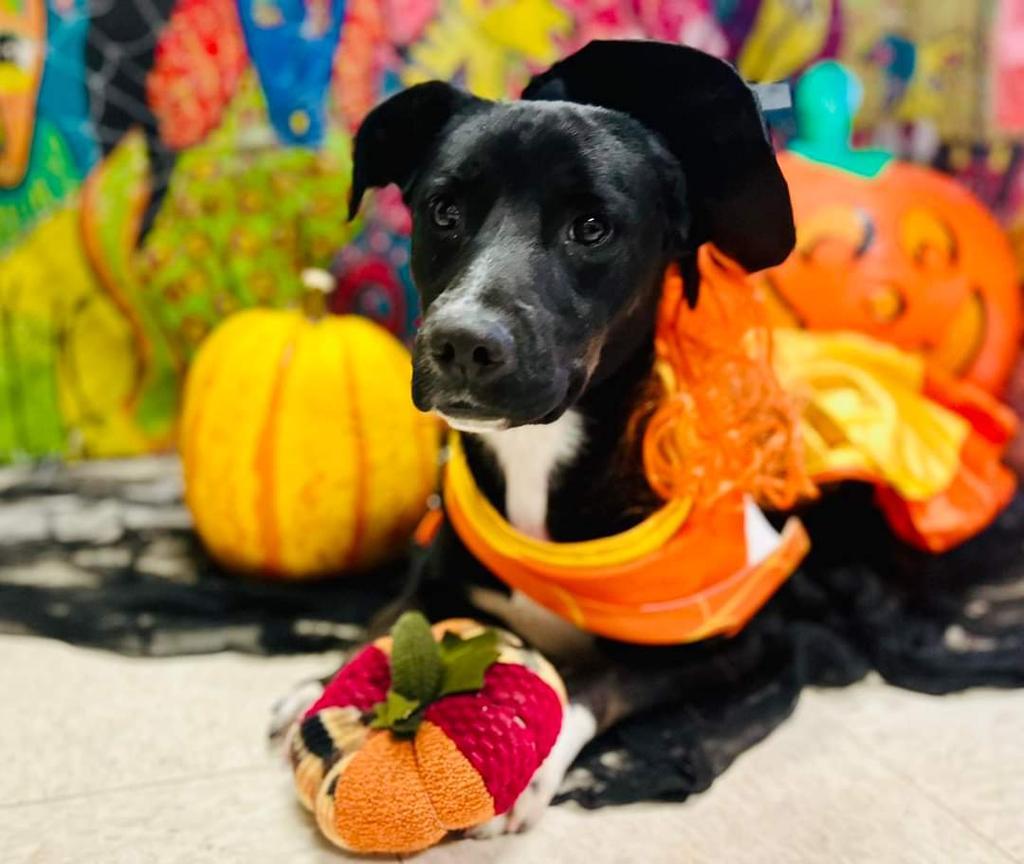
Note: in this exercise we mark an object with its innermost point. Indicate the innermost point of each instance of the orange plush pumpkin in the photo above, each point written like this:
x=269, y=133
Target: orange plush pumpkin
x=909, y=257
x=303, y=453
x=425, y=732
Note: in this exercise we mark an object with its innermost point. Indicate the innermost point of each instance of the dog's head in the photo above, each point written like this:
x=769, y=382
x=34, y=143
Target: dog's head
x=542, y=228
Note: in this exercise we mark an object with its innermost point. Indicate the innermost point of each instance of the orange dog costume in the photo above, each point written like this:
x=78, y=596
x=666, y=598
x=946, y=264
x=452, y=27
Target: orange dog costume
x=749, y=415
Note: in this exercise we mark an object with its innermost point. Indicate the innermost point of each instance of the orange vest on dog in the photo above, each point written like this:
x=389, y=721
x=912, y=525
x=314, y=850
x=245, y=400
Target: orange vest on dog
x=739, y=422
x=675, y=577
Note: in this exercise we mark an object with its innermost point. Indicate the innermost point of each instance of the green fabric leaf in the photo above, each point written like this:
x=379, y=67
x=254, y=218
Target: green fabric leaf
x=394, y=711
x=423, y=671
x=406, y=728
x=416, y=667
x=466, y=660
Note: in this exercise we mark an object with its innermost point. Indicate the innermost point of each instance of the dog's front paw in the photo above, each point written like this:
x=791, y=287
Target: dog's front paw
x=578, y=727
x=491, y=828
x=287, y=710
x=529, y=807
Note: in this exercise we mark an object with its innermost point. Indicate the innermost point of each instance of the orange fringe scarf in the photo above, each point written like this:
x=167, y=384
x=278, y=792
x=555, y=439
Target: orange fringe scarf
x=722, y=423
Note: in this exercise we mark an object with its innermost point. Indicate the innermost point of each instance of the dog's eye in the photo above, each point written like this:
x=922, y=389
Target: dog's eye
x=444, y=213
x=589, y=230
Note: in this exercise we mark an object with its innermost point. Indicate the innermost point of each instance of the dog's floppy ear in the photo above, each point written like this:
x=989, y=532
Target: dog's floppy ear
x=396, y=136
x=710, y=121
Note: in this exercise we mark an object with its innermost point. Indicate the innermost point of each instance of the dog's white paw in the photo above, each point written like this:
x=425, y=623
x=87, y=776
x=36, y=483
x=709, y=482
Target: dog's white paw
x=578, y=727
x=491, y=828
x=286, y=710
x=529, y=807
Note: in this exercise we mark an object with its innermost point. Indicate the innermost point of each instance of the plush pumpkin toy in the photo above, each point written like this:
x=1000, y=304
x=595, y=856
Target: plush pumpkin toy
x=424, y=732
x=899, y=252
x=303, y=453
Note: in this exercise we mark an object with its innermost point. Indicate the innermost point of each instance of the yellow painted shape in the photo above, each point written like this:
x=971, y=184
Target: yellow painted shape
x=785, y=37
x=47, y=278
x=489, y=43
x=526, y=27
x=14, y=79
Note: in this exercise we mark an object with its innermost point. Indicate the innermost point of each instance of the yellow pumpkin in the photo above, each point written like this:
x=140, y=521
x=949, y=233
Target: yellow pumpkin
x=303, y=453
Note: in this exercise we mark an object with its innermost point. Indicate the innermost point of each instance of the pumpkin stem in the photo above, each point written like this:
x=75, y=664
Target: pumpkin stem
x=318, y=285
x=423, y=671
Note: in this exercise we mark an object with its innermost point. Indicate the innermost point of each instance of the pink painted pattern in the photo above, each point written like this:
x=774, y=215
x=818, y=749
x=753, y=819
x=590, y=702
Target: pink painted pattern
x=1008, y=67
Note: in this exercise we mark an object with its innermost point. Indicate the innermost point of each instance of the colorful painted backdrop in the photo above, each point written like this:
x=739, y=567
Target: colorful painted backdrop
x=164, y=162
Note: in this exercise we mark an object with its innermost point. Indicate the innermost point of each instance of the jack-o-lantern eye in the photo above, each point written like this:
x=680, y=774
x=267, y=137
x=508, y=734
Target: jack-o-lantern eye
x=835, y=236
x=927, y=240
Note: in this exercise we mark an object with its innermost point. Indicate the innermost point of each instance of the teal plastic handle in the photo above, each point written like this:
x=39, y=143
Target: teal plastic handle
x=827, y=98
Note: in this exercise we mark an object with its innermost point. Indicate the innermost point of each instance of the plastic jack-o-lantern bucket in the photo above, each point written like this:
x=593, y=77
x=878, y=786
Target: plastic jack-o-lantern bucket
x=897, y=251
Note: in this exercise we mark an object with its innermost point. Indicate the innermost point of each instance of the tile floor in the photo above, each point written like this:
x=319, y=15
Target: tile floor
x=105, y=760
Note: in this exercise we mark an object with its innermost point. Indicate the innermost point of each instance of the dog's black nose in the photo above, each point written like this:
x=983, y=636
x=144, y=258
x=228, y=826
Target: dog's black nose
x=470, y=352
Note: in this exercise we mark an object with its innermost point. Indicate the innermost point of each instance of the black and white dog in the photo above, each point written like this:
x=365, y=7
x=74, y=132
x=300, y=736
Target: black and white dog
x=542, y=230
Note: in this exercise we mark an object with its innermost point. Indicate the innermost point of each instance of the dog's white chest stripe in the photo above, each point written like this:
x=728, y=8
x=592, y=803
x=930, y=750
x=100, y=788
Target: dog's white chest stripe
x=527, y=456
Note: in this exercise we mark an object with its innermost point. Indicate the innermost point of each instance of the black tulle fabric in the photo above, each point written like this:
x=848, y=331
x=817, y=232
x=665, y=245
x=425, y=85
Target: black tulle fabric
x=862, y=602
